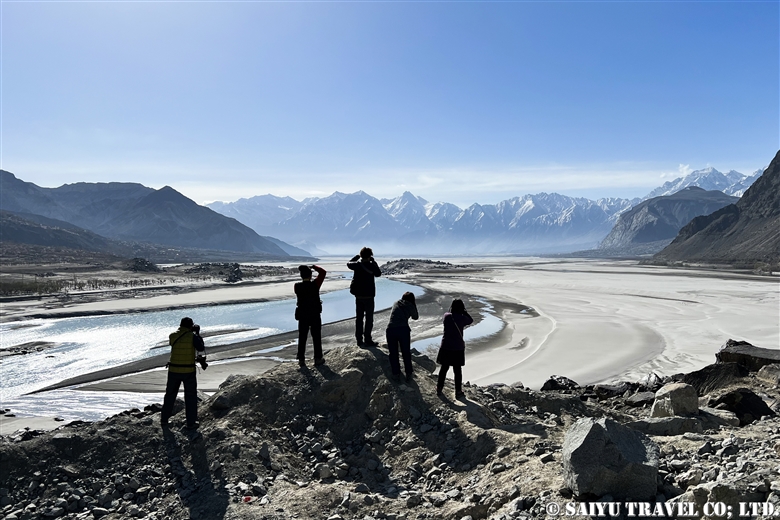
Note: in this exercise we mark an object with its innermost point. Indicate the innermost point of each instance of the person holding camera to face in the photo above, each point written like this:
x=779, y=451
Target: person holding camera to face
x=364, y=289
x=308, y=312
x=187, y=347
x=452, y=352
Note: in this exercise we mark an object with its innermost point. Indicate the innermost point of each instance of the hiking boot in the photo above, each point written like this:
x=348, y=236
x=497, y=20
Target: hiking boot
x=302, y=363
x=193, y=426
x=409, y=378
x=460, y=395
x=439, y=391
x=360, y=343
x=396, y=377
x=372, y=343
x=319, y=361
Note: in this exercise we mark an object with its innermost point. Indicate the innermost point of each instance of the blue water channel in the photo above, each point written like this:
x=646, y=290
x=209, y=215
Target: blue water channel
x=90, y=343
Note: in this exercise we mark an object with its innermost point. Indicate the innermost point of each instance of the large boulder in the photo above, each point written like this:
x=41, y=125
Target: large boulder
x=675, y=399
x=602, y=457
x=742, y=352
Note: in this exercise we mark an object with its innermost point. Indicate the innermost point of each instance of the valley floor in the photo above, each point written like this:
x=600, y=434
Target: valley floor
x=589, y=320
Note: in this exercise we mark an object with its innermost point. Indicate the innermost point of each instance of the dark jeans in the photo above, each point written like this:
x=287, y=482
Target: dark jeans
x=316, y=336
x=458, y=377
x=364, y=306
x=175, y=379
x=399, y=338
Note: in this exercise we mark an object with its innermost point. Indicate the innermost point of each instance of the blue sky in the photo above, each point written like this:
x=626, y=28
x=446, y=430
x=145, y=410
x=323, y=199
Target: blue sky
x=455, y=101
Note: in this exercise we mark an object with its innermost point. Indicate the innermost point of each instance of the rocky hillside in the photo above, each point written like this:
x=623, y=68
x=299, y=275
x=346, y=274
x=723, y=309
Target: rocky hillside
x=746, y=232
x=345, y=441
x=650, y=225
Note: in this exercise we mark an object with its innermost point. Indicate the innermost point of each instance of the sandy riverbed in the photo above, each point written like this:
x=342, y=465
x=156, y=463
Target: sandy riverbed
x=589, y=320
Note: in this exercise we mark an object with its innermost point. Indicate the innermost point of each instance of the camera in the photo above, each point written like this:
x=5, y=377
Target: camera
x=202, y=361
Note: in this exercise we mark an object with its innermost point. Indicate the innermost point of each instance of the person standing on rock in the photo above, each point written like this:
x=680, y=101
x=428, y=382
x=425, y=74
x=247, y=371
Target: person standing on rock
x=399, y=335
x=452, y=352
x=308, y=312
x=364, y=290
x=185, y=344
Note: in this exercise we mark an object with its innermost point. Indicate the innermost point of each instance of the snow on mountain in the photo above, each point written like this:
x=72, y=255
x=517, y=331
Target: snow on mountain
x=738, y=188
x=442, y=214
x=542, y=222
x=260, y=212
x=708, y=179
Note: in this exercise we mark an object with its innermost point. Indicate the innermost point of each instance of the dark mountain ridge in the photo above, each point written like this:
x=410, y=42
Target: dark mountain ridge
x=133, y=212
x=655, y=222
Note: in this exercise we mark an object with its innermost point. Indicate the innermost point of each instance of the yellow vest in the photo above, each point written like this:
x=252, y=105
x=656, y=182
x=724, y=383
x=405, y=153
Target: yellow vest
x=182, y=351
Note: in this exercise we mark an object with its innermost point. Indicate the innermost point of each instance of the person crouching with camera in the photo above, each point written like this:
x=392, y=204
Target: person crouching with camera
x=187, y=348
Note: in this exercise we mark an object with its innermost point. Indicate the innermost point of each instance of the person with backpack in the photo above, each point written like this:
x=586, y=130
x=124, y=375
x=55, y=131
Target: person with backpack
x=308, y=312
x=399, y=335
x=452, y=352
x=186, y=346
x=364, y=290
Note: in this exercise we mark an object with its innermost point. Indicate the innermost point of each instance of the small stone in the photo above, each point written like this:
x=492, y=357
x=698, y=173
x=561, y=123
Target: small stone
x=547, y=457
x=497, y=467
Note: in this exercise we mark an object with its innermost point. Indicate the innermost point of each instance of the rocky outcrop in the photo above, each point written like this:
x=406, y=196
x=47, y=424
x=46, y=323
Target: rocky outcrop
x=715, y=376
x=745, y=354
x=343, y=441
x=746, y=232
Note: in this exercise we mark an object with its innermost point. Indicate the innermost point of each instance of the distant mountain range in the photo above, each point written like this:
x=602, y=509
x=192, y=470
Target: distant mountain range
x=130, y=213
x=540, y=223
x=343, y=222
x=125, y=212
x=747, y=231
x=650, y=225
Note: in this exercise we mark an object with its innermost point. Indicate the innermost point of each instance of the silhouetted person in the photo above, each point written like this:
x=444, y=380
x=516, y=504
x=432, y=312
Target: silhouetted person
x=185, y=344
x=364, y=289
x=453, y=348
x=308, y=312
x=399, y=335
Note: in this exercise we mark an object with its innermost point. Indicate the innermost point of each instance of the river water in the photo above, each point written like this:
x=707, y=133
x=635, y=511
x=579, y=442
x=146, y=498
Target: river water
x=90, y=343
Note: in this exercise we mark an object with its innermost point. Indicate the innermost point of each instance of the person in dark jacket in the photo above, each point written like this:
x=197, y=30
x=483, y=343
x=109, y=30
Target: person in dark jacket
x=399, y=335
x=185, y=344
x=364, y=290
x=452, y=352
x=308, y=312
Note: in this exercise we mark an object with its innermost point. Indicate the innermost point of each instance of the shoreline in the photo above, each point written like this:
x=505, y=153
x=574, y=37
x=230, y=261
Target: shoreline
x=593, y=321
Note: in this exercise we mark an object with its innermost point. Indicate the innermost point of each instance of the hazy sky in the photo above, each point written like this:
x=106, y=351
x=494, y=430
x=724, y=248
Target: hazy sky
x=454, y=101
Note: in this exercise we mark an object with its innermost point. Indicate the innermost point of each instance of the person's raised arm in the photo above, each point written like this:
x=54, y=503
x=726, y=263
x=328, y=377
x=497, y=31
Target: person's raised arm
x=414, y=314
x=320, y=275
x=352, y=264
